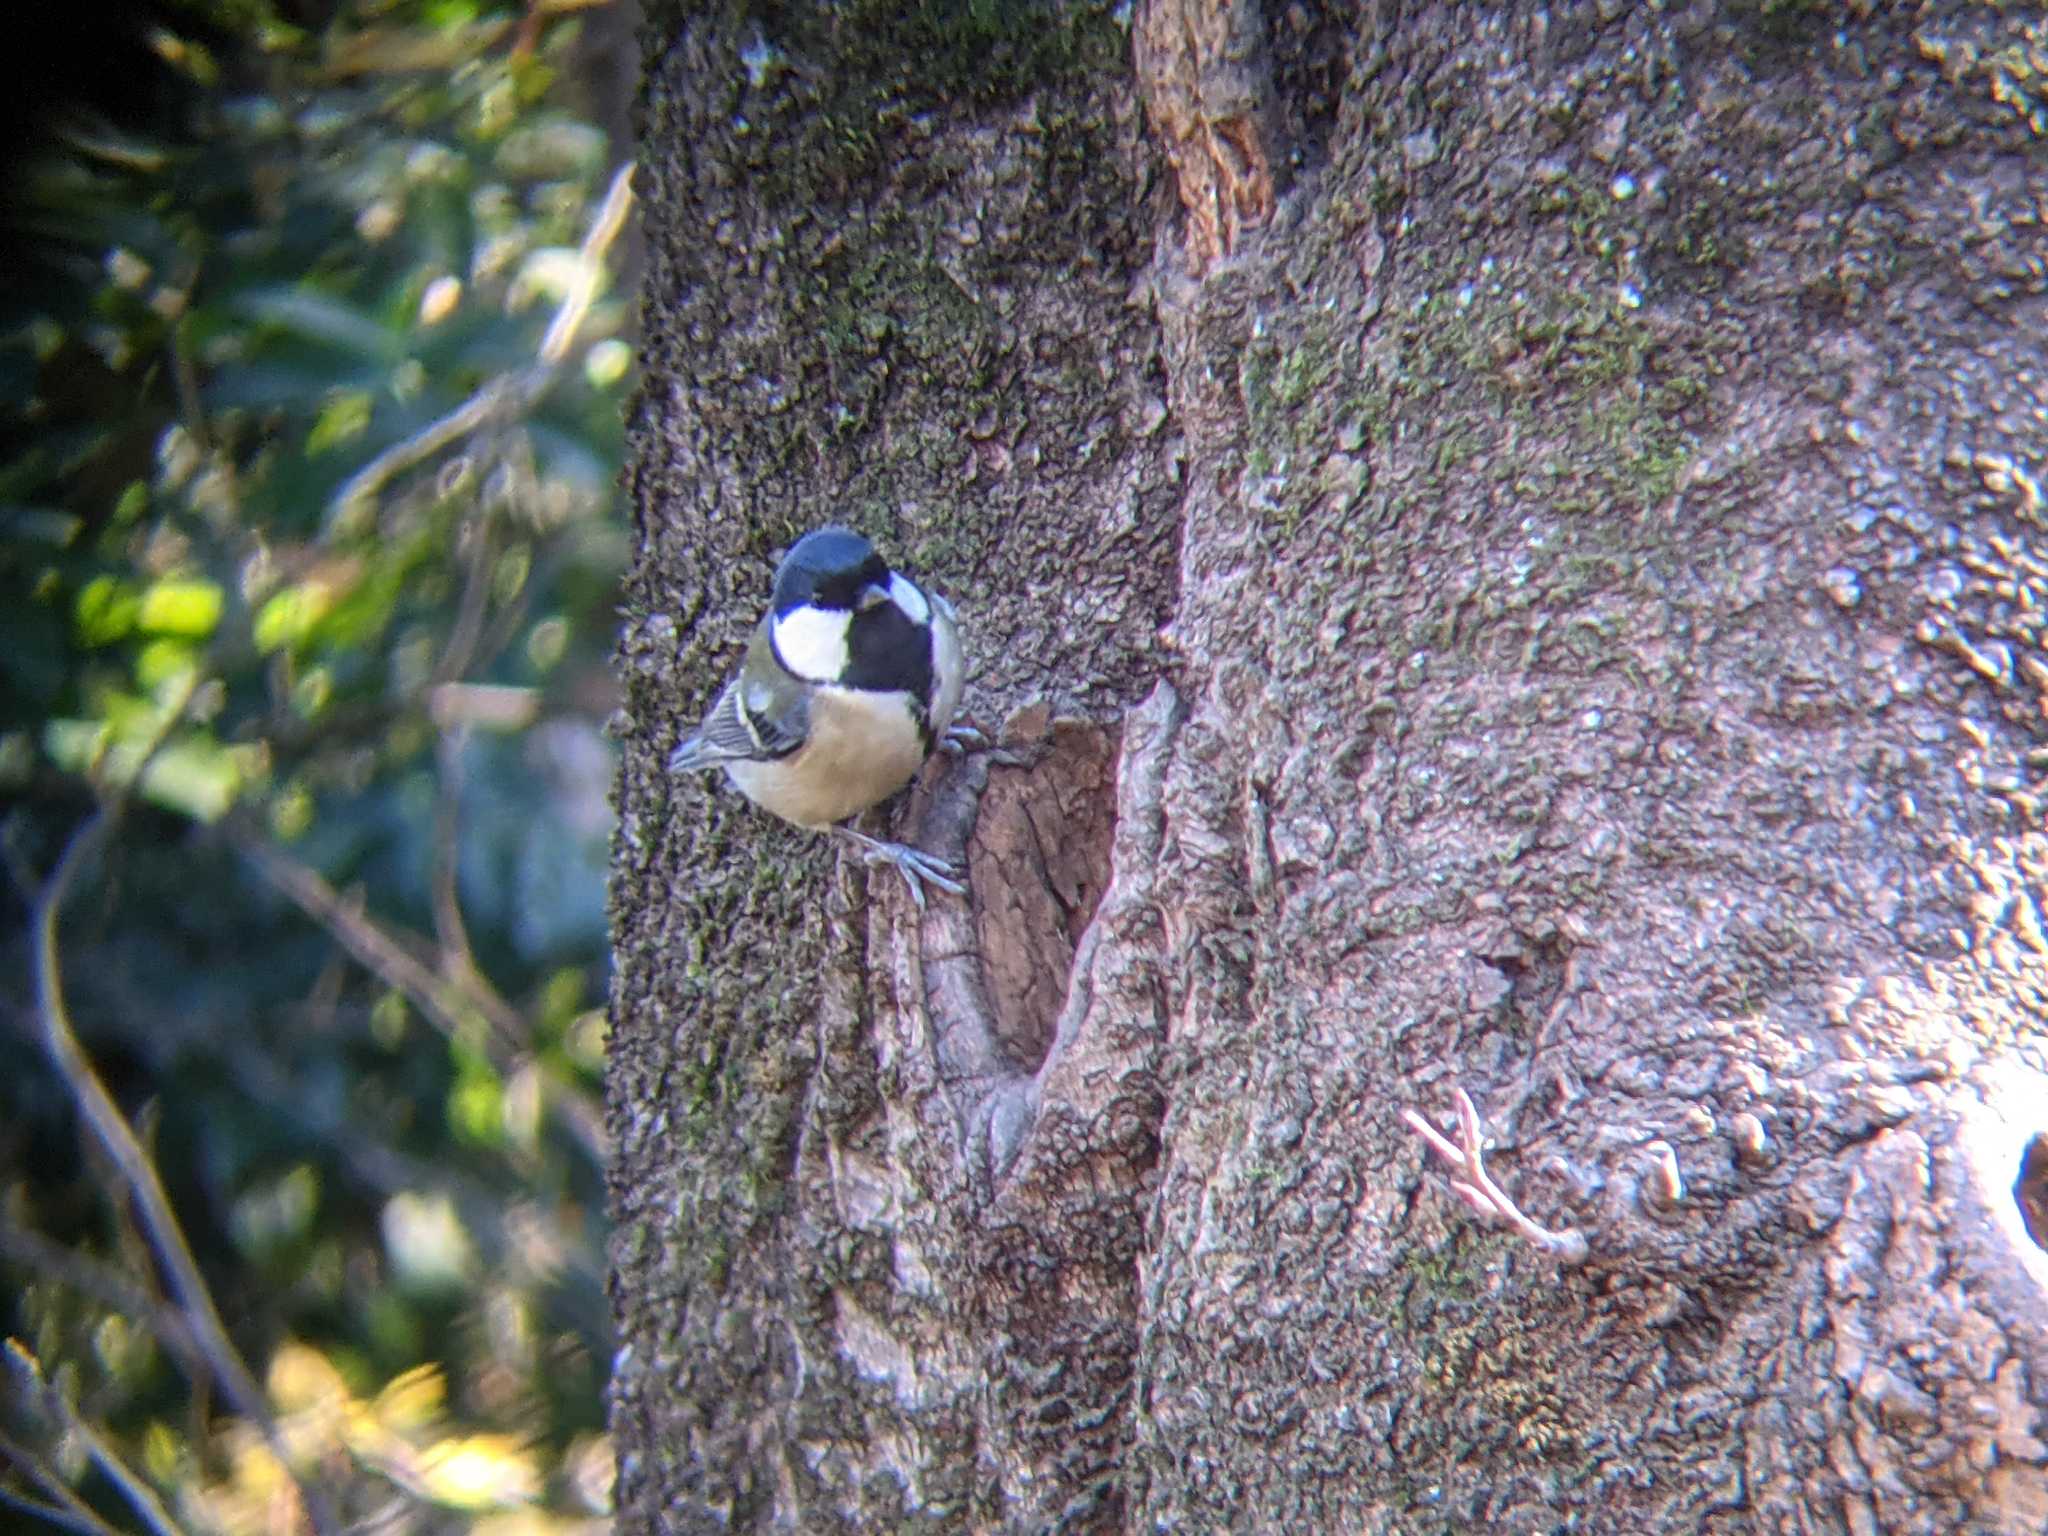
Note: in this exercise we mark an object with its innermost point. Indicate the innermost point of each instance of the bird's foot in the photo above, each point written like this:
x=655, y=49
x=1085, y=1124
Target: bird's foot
x=961, y=739
x=913, y=864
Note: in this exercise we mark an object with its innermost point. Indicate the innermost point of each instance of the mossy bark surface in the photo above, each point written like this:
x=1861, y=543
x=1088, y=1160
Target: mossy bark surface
x=1509, y=551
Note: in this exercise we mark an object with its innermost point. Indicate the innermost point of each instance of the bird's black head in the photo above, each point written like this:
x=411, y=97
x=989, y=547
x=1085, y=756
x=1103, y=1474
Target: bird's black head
x=828, y=568
x=842, y=617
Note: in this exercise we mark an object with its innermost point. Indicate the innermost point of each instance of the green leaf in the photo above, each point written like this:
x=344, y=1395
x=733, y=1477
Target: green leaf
x=276, y=1212
x=476, y=1111
x=429, y=1248
x=448, y=14
x=180, y=606
x=106, y=610
x=163, y=661
x=196, y=777
x=322, y=318
x=74, y=745
x=287, y=620
x=361, y=614
x=341, y=418
x=606, y=363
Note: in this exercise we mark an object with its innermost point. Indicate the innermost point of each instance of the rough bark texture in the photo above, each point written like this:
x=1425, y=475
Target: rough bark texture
x=1511, y=550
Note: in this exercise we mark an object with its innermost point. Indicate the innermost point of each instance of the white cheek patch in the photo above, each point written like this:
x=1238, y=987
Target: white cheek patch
x=812, y=642
x=904, y=595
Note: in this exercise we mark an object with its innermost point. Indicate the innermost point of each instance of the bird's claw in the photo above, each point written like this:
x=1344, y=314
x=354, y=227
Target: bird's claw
x=913, y=864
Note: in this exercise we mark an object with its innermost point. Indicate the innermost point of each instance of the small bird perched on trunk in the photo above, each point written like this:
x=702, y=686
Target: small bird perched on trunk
x=849, y=683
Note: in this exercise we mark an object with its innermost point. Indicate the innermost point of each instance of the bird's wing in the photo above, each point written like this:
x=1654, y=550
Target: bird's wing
x=949, y=667
x=763, y=714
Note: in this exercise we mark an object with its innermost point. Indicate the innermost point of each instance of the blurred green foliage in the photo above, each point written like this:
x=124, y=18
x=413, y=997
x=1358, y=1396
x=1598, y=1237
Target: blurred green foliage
x=309, y=543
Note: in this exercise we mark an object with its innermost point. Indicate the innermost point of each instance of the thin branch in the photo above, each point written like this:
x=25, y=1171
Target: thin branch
x=46, y=1478
x=140, y=1496
x=138, y=1173
x=104, y=1284
x=449, y=927
x=479, y=408
x=1474, y=1185
x=513, y=612
x=469, y=615
x=456, y=955
x=64, y=1519
x=445, y=1002
x=538, y=14
x=508, y=394
x=604, y=229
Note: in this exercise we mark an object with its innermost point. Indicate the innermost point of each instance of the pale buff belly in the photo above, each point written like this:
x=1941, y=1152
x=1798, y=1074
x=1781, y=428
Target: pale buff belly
x=863, y=747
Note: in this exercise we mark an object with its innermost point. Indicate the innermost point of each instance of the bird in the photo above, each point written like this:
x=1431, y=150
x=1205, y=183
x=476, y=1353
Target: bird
x=850, y=682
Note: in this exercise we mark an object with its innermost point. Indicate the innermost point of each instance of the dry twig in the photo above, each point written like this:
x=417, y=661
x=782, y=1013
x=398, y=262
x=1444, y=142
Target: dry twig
x=1474, y=1185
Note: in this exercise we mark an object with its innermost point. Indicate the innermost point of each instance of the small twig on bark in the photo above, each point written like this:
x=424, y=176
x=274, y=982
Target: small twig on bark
x=1470, y=1181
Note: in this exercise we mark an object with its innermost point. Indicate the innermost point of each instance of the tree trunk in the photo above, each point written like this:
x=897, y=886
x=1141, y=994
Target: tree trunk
x=1506, y=548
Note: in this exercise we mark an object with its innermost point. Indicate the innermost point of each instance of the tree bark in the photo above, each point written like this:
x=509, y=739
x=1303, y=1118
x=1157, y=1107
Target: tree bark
x=1506, y=549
